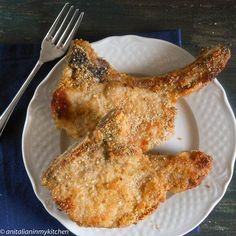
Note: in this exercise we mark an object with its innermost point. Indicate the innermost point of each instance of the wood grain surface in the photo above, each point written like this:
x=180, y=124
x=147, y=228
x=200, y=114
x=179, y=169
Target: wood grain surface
x=203, y=23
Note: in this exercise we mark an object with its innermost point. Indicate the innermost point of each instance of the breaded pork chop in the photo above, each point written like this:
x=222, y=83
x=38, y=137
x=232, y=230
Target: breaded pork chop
x=101, y=184
x=90, y=88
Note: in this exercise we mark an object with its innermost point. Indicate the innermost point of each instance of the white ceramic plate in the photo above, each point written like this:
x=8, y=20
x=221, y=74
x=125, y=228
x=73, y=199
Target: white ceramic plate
x=205, y=121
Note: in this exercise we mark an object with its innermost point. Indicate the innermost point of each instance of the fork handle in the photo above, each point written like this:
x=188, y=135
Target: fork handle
x=7, y=113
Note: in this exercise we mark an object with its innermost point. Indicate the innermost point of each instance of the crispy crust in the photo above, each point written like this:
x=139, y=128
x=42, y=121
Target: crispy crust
x=99, y=184
x=60, y=104
x=90, y=88
x=107, y=181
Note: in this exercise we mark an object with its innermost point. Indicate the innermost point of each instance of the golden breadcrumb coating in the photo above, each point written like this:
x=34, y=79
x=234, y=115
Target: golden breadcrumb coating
x=90, y=88
x=101, y=184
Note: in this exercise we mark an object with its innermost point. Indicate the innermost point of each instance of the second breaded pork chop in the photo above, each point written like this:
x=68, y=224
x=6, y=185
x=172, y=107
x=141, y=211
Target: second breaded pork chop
x=99, y=183
x=90, y=88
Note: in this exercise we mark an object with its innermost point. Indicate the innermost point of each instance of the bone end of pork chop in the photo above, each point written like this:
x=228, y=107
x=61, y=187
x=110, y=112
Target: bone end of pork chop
x=183, y=171
x=188, y=79
x=203, y=70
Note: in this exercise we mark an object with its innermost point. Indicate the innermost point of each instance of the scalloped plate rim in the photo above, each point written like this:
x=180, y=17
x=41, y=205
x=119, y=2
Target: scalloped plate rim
x=134, y=37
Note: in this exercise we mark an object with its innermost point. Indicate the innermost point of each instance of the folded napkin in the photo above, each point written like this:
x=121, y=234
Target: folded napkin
x=19, y=207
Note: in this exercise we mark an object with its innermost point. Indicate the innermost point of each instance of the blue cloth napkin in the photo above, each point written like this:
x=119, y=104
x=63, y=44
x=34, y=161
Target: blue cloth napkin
x=19, y=207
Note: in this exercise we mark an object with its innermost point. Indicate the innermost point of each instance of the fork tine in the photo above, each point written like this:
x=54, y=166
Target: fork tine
x=54, y=25
x=73, y=31
x=62, y=38
x=62, y=25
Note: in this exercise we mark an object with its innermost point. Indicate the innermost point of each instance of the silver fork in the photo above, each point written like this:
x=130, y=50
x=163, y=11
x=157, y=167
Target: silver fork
x=54, y=45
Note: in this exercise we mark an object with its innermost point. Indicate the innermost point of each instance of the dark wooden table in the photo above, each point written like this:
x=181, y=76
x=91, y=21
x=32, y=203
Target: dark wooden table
x=203, y=23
